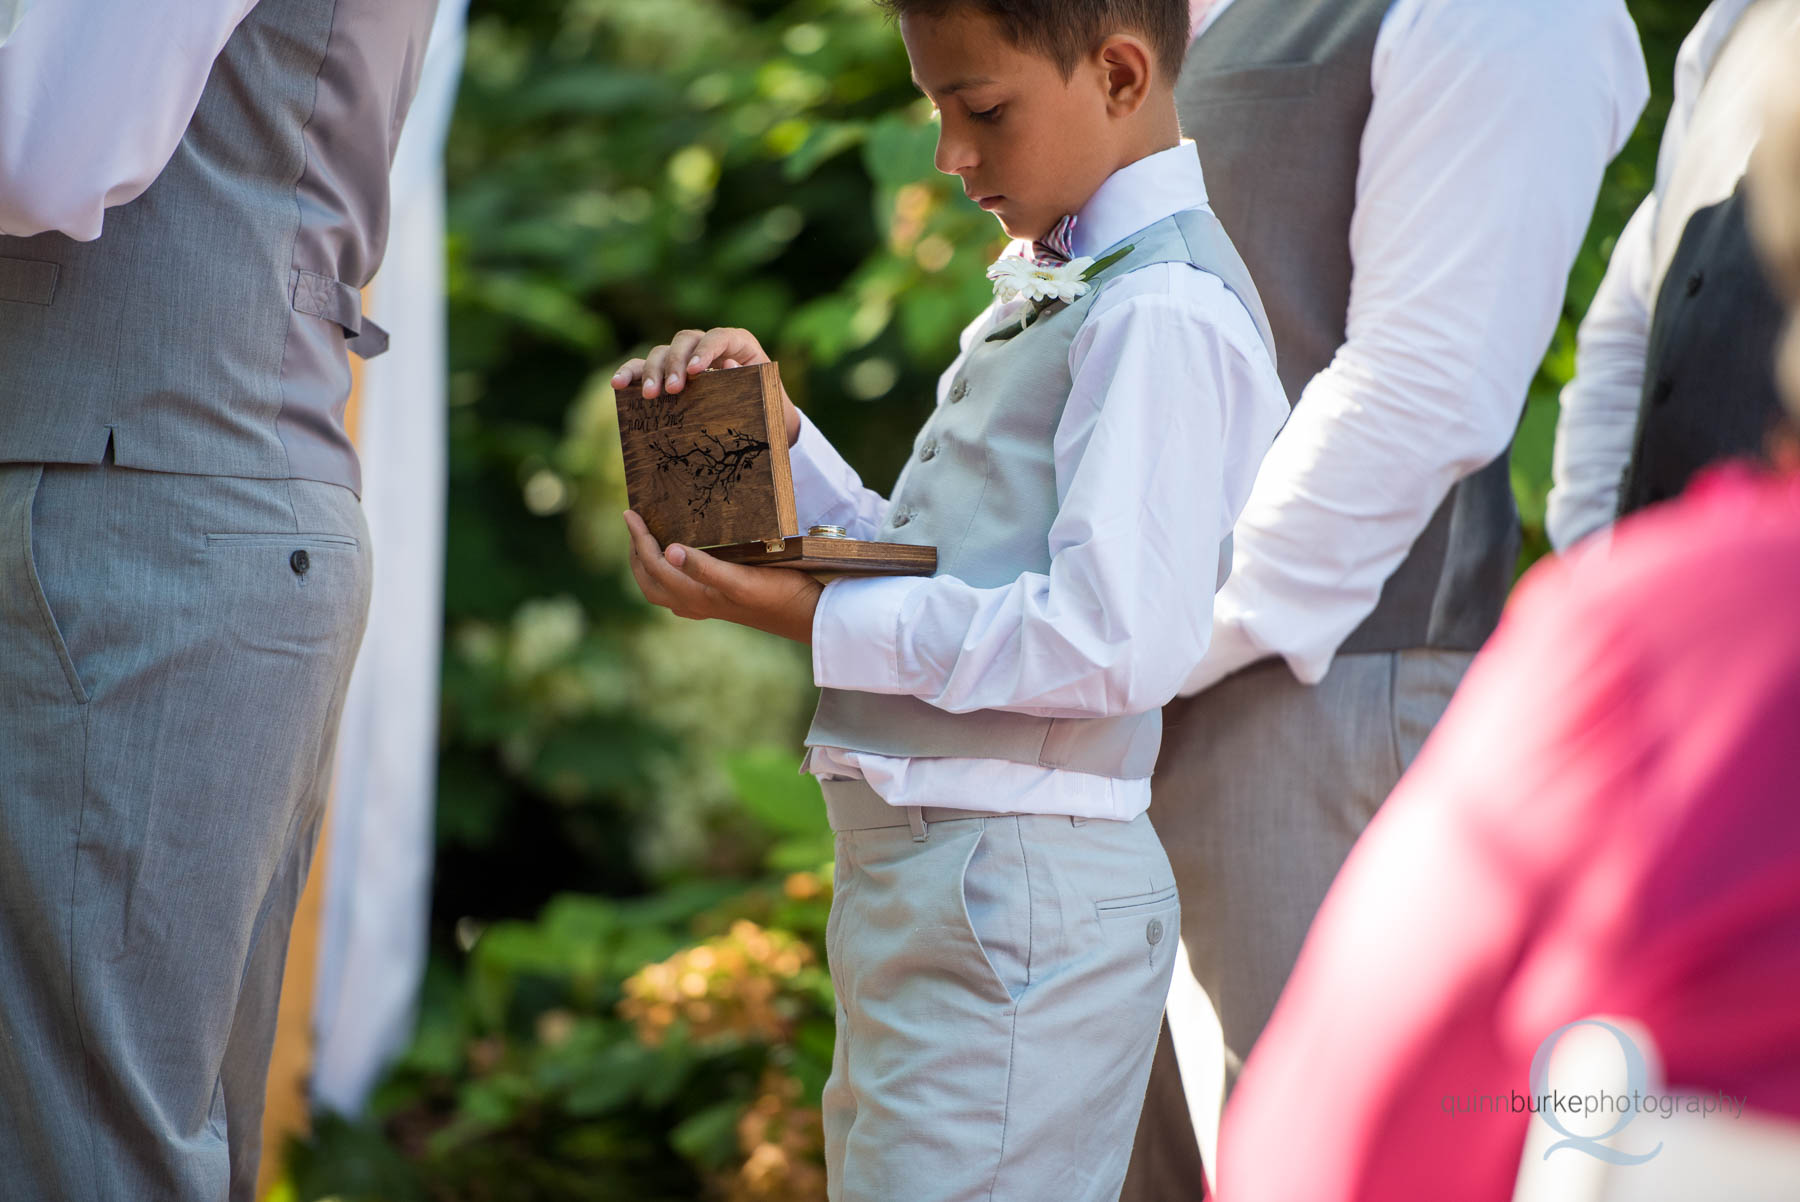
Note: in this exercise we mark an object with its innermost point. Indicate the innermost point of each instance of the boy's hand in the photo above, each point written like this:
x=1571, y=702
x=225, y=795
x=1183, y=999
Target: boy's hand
x=692, y=584
x=667, y=368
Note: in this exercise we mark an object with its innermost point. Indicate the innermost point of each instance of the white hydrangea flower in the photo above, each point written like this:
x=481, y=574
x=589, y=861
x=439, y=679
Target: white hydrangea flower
x=1016, y=276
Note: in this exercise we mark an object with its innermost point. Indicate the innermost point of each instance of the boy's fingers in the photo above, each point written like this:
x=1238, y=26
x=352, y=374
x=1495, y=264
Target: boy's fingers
x=695, y=564
x=644, y=549
x=672, y=370
x=681, y=353
x=655, y=371
x=721, y=582
x=701, y=355
x=734, y=345
x=666, y=368
x=663, y=582
x=643, y=553
x=665, y=586
x=646, y=586
x=677, y=580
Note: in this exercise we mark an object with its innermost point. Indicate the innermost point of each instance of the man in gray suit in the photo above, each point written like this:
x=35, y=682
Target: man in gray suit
x=1409, y=182
x=191, y=197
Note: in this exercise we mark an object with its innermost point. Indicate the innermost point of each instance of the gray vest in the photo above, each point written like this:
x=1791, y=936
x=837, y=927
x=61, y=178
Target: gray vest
x=1276, y=94
x=205, y=330
x=981, y=488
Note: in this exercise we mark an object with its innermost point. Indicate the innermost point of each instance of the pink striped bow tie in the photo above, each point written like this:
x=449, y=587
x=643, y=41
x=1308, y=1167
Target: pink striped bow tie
x=1056, y=247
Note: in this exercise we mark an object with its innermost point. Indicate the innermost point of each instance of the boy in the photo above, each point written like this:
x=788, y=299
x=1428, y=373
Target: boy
x=1005, y=920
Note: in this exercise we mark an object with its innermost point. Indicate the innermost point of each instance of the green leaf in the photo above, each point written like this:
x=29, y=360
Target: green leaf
x=616, y=1077
x=899, y=150
x=709, y=1138
x=825, y=141
x=773, y=790
x=1102, y=264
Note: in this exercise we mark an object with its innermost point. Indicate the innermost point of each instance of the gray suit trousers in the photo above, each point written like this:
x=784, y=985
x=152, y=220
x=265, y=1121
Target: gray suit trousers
x=174, y=652
x=1262, y=786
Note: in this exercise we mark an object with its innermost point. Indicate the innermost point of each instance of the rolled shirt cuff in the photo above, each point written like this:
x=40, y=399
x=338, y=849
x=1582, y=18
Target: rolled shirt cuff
x=856, y=634
x=1231, y=648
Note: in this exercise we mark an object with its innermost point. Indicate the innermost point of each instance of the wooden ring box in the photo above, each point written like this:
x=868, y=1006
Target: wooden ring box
x=708, y=467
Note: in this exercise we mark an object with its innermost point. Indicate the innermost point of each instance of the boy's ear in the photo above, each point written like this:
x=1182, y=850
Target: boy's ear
x=1127, y=67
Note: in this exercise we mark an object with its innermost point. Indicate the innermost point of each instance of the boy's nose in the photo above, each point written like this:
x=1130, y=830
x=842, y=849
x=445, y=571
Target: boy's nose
x=954, y=154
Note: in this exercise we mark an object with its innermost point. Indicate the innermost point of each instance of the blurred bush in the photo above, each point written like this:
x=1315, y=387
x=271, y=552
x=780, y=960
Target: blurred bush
x=627, y=997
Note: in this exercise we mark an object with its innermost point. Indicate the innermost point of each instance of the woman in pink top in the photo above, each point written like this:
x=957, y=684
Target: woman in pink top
x=1607, y=821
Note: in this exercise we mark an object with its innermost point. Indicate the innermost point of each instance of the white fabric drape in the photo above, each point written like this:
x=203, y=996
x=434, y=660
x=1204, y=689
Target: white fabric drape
x=372, y=944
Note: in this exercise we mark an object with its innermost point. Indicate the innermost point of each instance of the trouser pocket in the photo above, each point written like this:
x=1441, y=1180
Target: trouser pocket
x=996, y=903
x=30, y=599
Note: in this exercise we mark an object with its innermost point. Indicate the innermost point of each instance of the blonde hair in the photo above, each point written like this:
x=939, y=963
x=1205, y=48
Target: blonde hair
x=1774, y=201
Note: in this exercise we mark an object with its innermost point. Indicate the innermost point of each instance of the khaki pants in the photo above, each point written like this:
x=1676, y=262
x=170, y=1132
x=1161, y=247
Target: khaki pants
x=1000, y=981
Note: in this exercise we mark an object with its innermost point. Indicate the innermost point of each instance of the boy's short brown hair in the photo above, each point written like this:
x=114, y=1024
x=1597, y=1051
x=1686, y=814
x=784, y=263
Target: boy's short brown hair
x=1065, y=30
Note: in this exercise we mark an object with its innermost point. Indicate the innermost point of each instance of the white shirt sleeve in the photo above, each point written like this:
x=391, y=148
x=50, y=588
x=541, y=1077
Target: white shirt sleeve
x=1598, y=421
x=1148, y=481
x=1491, y=127
x=94, y=98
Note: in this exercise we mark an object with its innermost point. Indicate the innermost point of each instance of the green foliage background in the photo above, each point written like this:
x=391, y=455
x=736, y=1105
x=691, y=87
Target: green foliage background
x=619, y=789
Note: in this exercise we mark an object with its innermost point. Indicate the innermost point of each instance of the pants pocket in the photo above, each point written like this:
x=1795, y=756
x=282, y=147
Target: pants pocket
x=299, y=541
x=1145, y=923
x=1135, y=905
x=52, y=629
x=996, y=904
x=842, y=877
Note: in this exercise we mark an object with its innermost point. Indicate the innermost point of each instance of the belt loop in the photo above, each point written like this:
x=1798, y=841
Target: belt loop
x=1074, y=821
x=915, y=818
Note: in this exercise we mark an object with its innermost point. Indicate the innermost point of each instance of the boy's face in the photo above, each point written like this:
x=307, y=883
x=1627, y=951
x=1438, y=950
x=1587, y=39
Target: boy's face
x=1029, y=146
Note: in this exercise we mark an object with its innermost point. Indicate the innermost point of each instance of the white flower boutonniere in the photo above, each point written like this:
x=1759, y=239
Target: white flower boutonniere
x=1016, y=276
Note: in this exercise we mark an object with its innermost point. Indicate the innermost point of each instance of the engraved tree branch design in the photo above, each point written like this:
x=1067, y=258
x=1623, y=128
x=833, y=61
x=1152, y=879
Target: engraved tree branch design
x=710, y=465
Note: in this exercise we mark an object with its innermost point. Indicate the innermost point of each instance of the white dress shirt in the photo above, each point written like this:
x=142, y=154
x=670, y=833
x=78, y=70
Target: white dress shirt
x=94, y=97
x=1713, y=126
x=1174, y=400
x=1492, y=124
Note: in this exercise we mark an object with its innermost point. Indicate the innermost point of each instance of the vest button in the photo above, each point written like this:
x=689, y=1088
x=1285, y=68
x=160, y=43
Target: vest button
x=1696, y=282
x=960, y=391
x=1665, y=388
x=928, y=452
x=300, y=561
x=1154, y=932
x=901, y=518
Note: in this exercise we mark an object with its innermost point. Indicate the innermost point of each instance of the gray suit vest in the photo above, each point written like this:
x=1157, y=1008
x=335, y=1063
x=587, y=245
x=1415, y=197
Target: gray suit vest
x=1276, y=94
x=981, y=488
x=205, y=330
